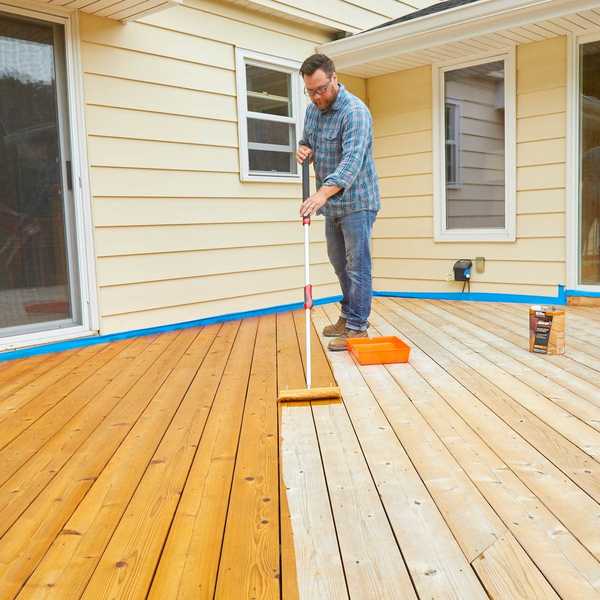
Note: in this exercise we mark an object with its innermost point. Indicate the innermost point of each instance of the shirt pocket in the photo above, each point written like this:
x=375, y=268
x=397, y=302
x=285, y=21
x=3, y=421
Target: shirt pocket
x=330, y=142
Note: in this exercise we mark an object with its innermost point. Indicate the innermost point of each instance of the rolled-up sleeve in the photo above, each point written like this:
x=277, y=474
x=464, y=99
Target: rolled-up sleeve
x=356, y=129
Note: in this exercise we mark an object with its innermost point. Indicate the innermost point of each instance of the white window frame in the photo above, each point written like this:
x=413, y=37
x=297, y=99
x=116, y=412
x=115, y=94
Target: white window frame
x=90, y=319
x=456, y=183
x=574, y=162
x=440, y=232
x=249, y=57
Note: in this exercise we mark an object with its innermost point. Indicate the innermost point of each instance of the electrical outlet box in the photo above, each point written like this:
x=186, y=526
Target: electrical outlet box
x=480, y=264
x=450, y=276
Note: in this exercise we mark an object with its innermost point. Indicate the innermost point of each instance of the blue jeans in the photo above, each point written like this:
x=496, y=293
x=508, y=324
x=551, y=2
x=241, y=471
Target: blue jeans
x=349, y=250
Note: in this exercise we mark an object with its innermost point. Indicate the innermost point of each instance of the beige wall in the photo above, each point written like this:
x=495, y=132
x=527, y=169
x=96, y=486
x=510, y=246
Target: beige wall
x=405, y=256
x=178, y=236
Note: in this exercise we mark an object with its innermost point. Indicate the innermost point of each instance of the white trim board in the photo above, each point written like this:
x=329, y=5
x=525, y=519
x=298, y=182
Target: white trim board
x=573, y=162
x=453, y=25
x=86, y=265
x=242, y=58
x=440, y=231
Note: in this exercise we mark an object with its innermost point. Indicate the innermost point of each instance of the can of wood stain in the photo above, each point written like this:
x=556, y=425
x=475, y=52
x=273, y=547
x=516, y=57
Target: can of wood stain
x=546, y=330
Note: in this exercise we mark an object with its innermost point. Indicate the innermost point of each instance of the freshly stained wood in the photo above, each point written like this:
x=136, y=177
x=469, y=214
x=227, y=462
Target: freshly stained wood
x=80, y=555
x=31, y=462
x=249, y=566
x=26, y=542
x=163, y=466
x=24, y=389
x=190, y=559
x=84, y=380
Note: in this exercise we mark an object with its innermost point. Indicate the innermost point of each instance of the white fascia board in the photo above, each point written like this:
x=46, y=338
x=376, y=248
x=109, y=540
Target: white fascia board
x=285, y=11
x=151, y=11
x=453, y=25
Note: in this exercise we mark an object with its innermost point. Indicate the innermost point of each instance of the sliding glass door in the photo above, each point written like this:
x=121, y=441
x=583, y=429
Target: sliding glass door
x=589, y=157
x=39, y=289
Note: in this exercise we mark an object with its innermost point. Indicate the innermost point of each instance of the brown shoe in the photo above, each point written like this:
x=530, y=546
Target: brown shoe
x=335, y=330
x=339, y=343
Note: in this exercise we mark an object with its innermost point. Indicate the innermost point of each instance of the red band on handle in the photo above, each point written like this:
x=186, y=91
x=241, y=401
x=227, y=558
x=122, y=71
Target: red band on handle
x=308, y=300
x=306, y=220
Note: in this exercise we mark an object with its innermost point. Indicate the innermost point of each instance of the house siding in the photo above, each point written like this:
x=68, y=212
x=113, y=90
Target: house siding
x=178, y=236
x=406, y=258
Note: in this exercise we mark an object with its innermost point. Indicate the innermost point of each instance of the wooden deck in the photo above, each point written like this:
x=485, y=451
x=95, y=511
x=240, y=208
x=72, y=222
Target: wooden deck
x=162, y=467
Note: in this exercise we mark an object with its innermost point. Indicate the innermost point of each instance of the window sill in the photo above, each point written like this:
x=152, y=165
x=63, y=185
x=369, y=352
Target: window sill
x=477, y=235
x=273, y=179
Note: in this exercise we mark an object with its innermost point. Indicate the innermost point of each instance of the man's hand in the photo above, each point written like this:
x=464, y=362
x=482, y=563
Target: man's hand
x=303, y=153
x=312, y=204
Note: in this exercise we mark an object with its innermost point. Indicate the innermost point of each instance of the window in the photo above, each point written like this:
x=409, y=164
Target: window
x=270, y=110
x=474, y=151
x=452, y=128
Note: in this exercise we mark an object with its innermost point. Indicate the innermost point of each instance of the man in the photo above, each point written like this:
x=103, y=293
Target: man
x=338, y=139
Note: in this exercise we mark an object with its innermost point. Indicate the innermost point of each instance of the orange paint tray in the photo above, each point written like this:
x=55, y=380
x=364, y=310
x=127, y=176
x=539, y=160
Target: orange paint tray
x=379, y=350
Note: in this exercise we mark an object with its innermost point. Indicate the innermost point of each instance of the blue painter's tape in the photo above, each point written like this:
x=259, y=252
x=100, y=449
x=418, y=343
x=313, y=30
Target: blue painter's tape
x=559, y=299
x=113, y=337
x=575, y=293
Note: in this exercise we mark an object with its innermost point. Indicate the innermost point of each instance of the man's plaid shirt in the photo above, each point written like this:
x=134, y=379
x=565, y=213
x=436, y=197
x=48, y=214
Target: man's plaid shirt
x=341, y=139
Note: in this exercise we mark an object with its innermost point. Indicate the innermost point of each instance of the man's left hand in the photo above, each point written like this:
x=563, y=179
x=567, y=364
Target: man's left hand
x=312, y=204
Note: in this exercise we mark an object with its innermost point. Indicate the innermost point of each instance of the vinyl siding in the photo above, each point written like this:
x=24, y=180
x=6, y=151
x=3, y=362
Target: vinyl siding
x=406, y=258
x=178, y=236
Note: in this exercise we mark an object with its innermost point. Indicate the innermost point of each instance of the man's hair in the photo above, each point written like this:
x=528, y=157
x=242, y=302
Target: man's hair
x=315, y=62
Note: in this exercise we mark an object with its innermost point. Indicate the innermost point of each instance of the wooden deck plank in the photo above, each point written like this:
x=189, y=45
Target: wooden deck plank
x=249, y=565
x=581, y=434
x=190, y=559
x=64, y=376
x=434, y=559
x=148, y=476
x=563, y=560
x=582, y=408
x=551, y=371
x=474, y=312
x=90, y=382
x=311, y=561
x=372, y=560
x=581, y=341
x=535, y=470
x=506, y=571
x=30, y=373
x=579, y=327
x=572, y=461
x=35, y=458
x=12, y=369
x=521, y=328
x=26, y=542
x=126, y=565
x=144, y=467
x=473, y=522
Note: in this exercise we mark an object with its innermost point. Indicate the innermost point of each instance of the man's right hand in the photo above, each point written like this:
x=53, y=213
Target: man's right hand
x=303, y=153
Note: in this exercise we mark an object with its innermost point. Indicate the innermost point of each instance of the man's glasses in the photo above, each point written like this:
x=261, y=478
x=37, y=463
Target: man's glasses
x=317, y=91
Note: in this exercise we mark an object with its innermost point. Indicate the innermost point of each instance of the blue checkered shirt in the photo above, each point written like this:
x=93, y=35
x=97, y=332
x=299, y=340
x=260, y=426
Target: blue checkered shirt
x=342, y=142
